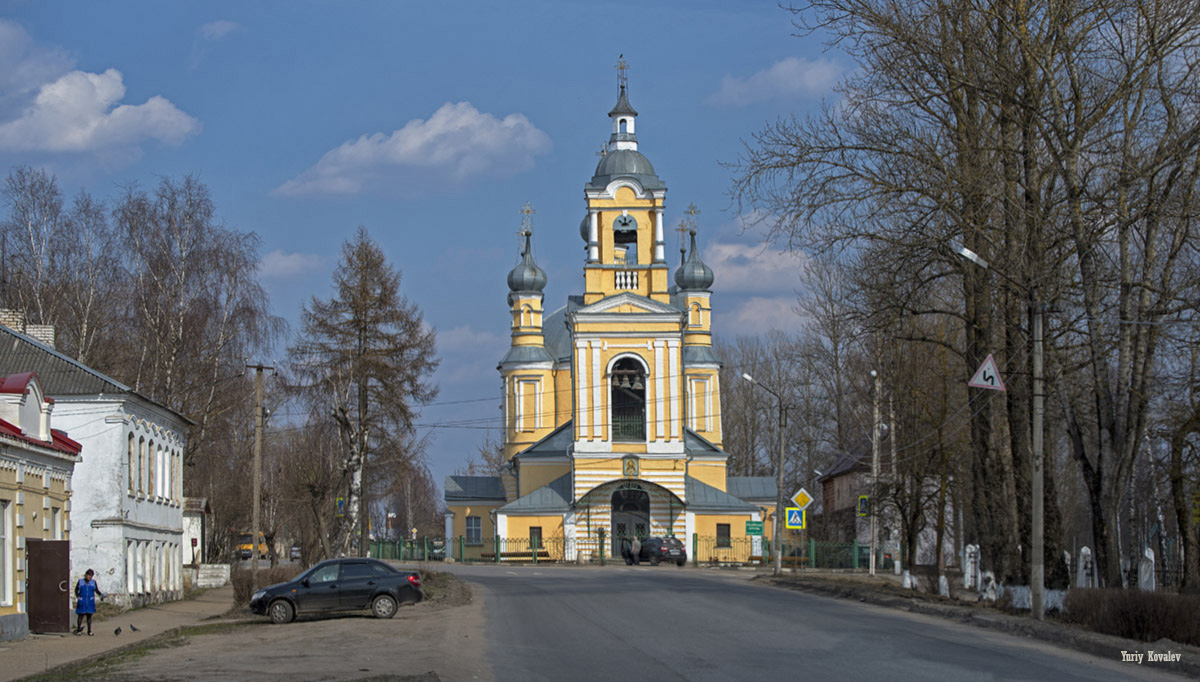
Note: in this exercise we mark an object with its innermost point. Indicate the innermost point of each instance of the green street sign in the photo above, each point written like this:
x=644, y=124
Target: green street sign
x=754, y=528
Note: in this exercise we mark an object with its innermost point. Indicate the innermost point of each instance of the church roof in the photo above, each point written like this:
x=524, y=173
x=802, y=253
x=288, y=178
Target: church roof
x=556, y=444
x=557, y=337
x=472, y=488
x=555, y=496
x=625, y=163
x=700, y=355
x=752, y=487
x=524, y=354
x=702, y=496
x=623, y=107
x=695, y=444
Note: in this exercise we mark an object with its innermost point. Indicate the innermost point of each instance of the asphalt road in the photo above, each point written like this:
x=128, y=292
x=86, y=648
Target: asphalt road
x=666, y=623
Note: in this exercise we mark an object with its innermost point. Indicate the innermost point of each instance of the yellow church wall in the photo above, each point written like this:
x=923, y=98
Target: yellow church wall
x=740, y=545
x=459, y=528
x=711, y=474
x=517, y=545
x=534, y=476
x=563, y=402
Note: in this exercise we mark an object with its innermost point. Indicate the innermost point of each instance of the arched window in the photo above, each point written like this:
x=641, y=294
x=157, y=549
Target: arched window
x=132, y=465
x=628, y=401
x=624, y=125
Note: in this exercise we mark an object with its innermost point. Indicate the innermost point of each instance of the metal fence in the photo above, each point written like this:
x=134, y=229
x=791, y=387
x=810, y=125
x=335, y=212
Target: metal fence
x=603, y=549
x=421, y=549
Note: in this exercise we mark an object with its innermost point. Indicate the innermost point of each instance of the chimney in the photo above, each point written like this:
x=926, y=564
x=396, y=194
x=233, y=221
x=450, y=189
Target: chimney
x=16, y=320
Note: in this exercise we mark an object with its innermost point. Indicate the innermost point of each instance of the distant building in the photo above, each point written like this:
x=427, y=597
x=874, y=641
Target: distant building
x=37, y=465
x=611, y=403
x=195, y=529
x=127, y=507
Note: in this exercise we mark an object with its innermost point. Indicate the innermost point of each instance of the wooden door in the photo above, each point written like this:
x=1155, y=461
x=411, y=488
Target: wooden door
x=48, y=588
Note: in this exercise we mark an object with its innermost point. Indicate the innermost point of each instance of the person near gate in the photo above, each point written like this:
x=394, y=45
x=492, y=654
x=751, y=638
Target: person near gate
x=86, y=591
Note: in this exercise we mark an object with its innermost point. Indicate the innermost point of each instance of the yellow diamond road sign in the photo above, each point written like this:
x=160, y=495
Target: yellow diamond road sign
x=802, y=499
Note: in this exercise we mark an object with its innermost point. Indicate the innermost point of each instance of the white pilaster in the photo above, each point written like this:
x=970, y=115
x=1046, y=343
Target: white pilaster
x=659, y=248
x=673, y=376
x=581, y=387
x=660, y=404
x=593, y=236
x=598, y=422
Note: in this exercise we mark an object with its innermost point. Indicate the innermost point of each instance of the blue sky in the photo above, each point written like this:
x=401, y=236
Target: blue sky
x=430, y=123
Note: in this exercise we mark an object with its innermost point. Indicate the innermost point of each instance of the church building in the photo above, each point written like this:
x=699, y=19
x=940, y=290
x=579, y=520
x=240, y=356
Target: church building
x=611, y=403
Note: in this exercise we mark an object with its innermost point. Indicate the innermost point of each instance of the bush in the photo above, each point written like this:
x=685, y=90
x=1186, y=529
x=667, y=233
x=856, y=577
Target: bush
x=1134, y=614
x=242, y=581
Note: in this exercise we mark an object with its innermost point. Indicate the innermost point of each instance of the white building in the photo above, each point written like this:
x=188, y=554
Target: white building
x=127, y=504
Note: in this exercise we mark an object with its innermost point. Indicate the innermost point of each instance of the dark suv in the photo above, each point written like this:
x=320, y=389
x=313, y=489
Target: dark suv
x=656, y=550
x=340, y=585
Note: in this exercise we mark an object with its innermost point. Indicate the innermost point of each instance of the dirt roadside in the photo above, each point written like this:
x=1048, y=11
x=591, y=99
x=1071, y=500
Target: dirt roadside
x=441, y=638
x=885, y=592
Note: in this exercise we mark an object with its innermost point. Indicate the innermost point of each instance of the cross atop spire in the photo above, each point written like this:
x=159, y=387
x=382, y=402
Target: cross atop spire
x=527, y=216
x=603, y=151
x=621, y=67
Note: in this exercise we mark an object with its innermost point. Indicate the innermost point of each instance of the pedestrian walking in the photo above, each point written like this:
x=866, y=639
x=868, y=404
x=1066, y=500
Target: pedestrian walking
x=86, y=591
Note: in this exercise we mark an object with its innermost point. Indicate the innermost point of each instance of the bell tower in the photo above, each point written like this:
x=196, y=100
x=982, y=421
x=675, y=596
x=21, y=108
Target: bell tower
x=624, y=224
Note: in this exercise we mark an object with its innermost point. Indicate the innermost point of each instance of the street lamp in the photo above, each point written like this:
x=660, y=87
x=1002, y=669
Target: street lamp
x=777, y=526
x=1037, y=571
x=875, y=471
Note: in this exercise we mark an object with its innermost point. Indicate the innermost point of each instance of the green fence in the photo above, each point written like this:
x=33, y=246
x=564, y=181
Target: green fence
x=421, y=549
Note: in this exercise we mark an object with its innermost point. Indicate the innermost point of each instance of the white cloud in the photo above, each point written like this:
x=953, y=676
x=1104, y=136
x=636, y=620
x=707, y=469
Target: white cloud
x=788, y=78
x=45, y=106
x=216, y=30
x=752, y=268
x=280, y=264
x=79, y=113
x=456, y=144
x=25, y=67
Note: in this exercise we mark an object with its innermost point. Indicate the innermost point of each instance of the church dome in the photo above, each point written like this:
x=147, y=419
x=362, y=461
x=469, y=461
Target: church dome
x=621, y=162
x=693, y=273
x=527, y=277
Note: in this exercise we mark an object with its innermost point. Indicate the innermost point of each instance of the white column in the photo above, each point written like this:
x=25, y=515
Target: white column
x=581, y=411
x=593, y=236
x=449, y=536
x=660, y=403
x=659, y=248
x=673, y=377
x=598, y=420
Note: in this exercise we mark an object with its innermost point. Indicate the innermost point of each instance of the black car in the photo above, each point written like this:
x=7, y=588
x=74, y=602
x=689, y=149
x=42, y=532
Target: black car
x=656, y=550
x=340, y=585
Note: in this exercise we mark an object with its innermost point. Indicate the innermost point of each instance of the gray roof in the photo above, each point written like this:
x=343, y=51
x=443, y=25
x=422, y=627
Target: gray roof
x=554, y=329
x=625, y=163
x=556, y=444
x=60, y=374
x=704, y=496
x=695, y=444
x=700, y=355
x=555, y=496
x=693, y=274
x=468, y=488
x=751, y=487
x=526, y=354
x=622, y=107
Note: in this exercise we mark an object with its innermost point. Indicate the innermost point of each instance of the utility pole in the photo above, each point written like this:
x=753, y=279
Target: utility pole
x=1037, y=571
x=259, y=427
x=874, y=466
x=780, y=510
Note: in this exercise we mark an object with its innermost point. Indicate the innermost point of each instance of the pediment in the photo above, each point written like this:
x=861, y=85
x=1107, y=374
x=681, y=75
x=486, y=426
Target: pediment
x=628, y=303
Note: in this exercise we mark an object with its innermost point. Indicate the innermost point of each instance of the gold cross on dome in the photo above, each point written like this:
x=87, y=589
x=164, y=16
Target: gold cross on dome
x=603, y=151
x=621, y=67
x=692, y=212
x=527, y=217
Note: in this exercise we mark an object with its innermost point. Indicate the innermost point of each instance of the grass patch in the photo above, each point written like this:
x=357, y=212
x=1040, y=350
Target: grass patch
x=1134, y=614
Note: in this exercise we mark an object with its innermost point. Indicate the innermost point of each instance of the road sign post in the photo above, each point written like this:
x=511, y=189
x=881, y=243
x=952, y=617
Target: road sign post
x=795, y=518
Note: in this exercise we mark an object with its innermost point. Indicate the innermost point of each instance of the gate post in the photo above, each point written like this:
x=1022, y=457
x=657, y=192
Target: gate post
x=496, y=546
x=602, y=534
x=854, y=562
x=812, y=553
x=695, y=542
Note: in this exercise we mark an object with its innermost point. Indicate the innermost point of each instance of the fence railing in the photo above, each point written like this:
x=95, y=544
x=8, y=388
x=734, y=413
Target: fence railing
x=420, y=549
x=702, y=550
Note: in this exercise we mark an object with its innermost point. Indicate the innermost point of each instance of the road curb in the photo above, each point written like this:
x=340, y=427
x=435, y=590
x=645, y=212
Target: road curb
x=1094, y=643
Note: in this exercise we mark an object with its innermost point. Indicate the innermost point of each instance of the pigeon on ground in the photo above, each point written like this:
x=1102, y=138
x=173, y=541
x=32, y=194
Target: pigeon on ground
x=134, y=627
x=117, y=631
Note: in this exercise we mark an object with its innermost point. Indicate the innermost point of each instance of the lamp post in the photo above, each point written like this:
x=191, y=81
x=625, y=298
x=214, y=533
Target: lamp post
x=777, y=526
x=874, y=471
x=1037, y=570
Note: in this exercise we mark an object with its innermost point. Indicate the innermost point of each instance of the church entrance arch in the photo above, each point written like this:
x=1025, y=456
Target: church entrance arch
x=630, y=516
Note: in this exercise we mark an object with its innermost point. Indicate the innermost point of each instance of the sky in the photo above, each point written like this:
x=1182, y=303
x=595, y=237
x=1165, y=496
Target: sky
x=429, y=123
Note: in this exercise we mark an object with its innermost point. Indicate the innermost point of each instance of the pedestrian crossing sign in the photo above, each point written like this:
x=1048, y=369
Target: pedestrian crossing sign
x=795, y=518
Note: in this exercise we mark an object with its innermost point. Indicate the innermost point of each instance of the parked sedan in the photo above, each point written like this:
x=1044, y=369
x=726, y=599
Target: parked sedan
x=340, y=585
x=656, y=550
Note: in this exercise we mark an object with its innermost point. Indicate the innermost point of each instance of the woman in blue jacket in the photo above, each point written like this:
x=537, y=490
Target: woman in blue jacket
x=85, y=600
